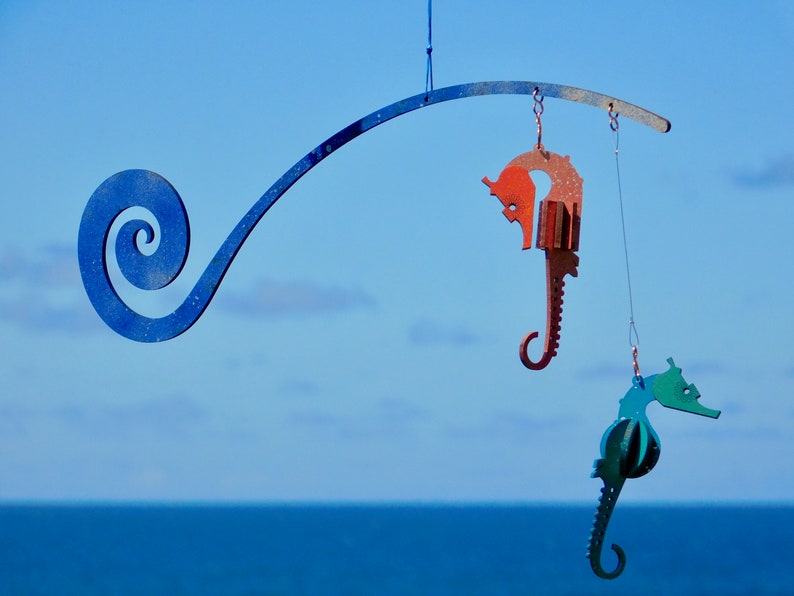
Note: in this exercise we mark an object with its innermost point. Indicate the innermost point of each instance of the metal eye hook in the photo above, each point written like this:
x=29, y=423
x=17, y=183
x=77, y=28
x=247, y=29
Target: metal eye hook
x=613, y=118
x=537, y=109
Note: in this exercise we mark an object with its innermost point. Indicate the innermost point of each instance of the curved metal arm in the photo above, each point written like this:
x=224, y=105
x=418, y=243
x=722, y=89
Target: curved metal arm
x=141, y=188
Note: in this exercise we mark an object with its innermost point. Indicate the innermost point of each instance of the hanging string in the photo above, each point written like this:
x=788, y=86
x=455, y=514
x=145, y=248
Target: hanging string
x=634, y=338
x=429, y=71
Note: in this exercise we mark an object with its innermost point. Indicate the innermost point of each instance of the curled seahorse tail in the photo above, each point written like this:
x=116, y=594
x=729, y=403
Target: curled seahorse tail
x=606, y=504
x=549, y=352
x=559, y=263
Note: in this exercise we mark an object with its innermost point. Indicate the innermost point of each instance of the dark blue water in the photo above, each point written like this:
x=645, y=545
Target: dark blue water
x=390, y=550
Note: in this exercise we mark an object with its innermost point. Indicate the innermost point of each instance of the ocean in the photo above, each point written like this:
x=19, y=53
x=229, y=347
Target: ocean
x=390, y=549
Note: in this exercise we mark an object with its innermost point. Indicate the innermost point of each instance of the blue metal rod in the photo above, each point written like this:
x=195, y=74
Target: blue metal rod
x=147, y=189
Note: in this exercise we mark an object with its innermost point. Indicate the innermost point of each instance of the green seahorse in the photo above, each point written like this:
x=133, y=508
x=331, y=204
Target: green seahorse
x=630, y=448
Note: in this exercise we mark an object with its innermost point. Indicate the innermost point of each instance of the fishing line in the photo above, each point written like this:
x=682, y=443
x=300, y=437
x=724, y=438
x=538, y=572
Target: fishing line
x=634, y=338
x=429, y=71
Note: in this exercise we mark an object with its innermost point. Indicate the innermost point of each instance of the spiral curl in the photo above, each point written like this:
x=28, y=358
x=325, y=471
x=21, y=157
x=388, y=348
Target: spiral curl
x=122, y=191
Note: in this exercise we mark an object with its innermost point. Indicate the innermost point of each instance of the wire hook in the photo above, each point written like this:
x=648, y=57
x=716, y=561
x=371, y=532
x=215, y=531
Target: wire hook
x=537, y=109
x=613, y=118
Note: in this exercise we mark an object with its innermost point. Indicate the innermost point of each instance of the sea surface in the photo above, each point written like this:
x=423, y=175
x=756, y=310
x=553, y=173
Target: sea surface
x=390, y=549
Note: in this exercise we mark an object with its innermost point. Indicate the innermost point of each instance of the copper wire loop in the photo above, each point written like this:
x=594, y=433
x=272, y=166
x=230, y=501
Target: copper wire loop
x=537, y=109
x=635, y=362
x=613, y=119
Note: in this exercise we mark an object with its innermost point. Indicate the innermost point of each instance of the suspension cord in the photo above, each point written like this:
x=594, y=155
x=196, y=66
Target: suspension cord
x=634, y=338
x=429, y=71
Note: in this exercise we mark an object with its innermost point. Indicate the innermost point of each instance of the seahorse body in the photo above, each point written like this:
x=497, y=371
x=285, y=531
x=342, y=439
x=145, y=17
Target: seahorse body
x=630, y=448
x=559, y=222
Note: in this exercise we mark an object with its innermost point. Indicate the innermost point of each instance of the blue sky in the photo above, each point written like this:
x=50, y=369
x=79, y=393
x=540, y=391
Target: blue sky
x=363, y=344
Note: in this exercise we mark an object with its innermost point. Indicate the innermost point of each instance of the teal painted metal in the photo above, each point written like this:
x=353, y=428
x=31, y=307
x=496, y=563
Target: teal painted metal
x=132, y=188
x=630, y=448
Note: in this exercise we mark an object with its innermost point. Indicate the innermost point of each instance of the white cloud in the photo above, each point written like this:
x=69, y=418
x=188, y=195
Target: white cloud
x=41, y=291
x=774, y=173
x=169, y=415
x=269, y=298
x=426, y=332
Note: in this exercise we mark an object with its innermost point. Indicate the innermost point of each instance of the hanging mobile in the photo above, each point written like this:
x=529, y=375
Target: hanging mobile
x=559, y=220
x=630, y=447
x=150, y=257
